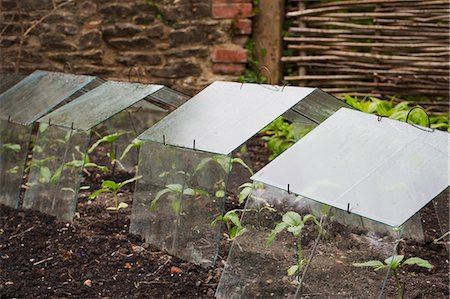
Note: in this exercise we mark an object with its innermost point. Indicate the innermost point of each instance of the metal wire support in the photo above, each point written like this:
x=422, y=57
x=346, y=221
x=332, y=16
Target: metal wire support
x=137, y=73
x=379, y=118
x=193, y=145
x=269, y=77
x=9, y=118
x=348, y=208
x=289, y=189
x=429, y=121
x=164, y=139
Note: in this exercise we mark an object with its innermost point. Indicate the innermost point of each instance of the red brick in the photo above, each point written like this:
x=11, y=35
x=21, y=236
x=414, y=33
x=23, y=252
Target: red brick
x=243, y=26
x=232, y=11
x=230, y=55
x=228, y=69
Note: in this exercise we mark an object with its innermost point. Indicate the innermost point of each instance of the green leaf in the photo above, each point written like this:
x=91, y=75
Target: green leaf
x=56, y=176
x=244, y=194
x=296, y=230
x=373, y=263
x=157, y=197
x=292, y=218
x=135, y=143
x=12, y=147
x=13, y=170
x=112, y=209
x=240, y=161
x=239, y=231
x=129, y=181
x=273, y=234
x=97, y=193
x=109, y=139
x=175, y=187
x=68, y=189
x=44, y=174
x=176, y=206
x=220, y=193
x=189, y=191
x=111, y=185
x=292, y=270
x=394, y=261
x=215, y=221
x=122, y=205
x=418, y=262
x=85, y=187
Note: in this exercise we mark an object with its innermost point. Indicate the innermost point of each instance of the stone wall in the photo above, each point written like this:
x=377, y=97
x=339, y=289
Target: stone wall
x=185, y=44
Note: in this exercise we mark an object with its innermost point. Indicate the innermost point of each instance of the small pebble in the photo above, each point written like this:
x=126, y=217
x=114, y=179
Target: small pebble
x=88, y=283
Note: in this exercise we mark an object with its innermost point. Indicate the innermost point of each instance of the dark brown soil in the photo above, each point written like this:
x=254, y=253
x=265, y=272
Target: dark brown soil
x=96, y=257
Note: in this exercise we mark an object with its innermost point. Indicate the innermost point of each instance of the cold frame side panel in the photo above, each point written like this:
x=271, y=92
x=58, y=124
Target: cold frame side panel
x=255, y=269
x=180, y=194
x=55, y=171
x=14, y=140
x=128, y=124
x=442, y=207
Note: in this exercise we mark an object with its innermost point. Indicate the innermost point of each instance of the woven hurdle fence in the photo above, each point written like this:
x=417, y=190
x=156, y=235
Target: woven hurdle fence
x=383, y=48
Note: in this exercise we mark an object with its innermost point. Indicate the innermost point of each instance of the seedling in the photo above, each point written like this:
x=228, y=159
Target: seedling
x=246, y=190
x=233, y=223
x=438, y=240
x=135, y=143
x=294, y=223
x=114, y=188
x=393, y=263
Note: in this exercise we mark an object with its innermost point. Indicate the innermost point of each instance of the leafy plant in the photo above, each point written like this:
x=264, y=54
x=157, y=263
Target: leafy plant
x=232, y=222
x=398, y=111
x=294, y=223
x=279, y=136
x=252, y=73
x=114, y=188
x=135, y=143
x=393, y=263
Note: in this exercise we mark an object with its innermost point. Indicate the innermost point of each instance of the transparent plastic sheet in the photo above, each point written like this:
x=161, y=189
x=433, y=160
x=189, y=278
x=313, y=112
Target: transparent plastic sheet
x=129, y=123
x=14, y=140
x=253, y=268
x=412, y=228
x=319, y=105
x=442, y=208
x=55, y=171
x=37, y=94
x=181, y=193
x=331, y=273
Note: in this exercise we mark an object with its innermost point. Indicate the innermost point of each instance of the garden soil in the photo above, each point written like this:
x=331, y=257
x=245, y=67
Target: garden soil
x=96, y=257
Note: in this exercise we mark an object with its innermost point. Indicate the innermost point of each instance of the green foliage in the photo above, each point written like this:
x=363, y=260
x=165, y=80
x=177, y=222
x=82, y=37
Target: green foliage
x=135, y=143
x=393, y=263
x=253, y=73
x=279, y=136
x=114, y=188
x=246, y=190
x=12, y=147
x=232, y=222
x=294, y=223
x=398, y=111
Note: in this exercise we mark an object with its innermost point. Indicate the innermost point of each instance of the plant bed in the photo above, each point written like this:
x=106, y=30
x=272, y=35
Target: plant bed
x=95, y=256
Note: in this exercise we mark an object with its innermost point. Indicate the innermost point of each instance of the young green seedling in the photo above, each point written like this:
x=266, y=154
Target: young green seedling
x=393, y=263
x=294, y=223
x=279, y=136
x=232, y=222
x=114, y=188
x=438, y=240
x=247, y=189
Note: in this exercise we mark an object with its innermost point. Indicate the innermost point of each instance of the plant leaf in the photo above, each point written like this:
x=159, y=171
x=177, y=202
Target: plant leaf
x=244, y=194
x=129, y=181
x=157, y=197
x=122, y=205
x=97, y=193
x=220, y=193
x=418, y=262
x=394, y=261
x=111, y=185
x=12, y=147
x=273, y=234
x=292, y=270
x=292, y=218
x=373, y=263
x=240, y=161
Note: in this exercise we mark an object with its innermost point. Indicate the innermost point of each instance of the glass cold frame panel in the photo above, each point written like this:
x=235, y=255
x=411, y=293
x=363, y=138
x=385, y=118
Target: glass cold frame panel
x=99, y=104
x=181, y=193
x=255, y=269
x=37, y=94
x=169, y=97
x=14, y=140
x=55, y=171
x=383, y=170
x=221, y=108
